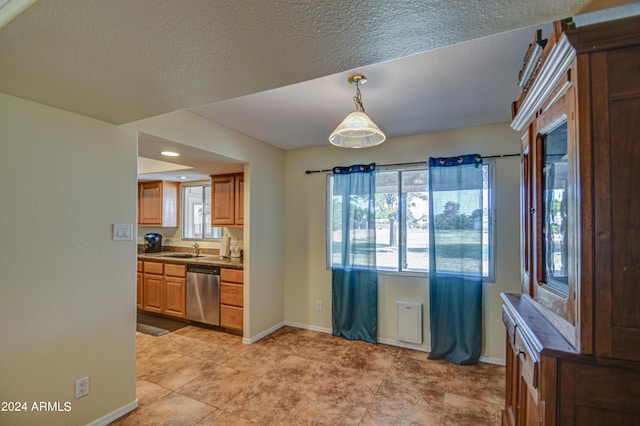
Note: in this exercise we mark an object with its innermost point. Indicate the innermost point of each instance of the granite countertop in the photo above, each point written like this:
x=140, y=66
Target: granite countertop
x=208, y=259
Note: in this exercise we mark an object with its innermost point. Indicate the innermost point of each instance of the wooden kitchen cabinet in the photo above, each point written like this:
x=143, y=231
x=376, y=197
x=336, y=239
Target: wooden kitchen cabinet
x=231, y=294
x=140, y=286
x=165, y=289
x=231, y=317
x=227, y=200
x=512, y=387
x=158, y=203
x=175, y=288
x=239, y=199
x=153, y=287
x=573, y=333
x=231, y=298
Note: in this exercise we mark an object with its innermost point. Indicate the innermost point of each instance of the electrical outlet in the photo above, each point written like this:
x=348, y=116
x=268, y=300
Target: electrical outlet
x=82, y=387
x=319, y=305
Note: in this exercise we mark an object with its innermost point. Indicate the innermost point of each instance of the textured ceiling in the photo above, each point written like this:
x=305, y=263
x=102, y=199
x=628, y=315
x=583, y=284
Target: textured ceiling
x=124, y=60
x=468, y=84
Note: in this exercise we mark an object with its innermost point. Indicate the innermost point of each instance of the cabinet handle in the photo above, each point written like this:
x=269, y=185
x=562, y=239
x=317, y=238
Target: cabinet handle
x=520, y=352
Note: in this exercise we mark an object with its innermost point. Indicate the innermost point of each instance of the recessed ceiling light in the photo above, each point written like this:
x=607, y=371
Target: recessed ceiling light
x=170, y=154
x=182, y=177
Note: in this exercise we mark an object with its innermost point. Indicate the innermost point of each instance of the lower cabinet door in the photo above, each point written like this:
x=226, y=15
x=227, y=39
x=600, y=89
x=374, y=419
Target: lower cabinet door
x=231, y=317
x=512, y=405
x=140, y=291
x=153, y=286
x=175, y=297
x=231, y=294
x=529, y=412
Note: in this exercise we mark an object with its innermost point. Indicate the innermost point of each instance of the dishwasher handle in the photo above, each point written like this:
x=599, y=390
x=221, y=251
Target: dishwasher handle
x=200, y=269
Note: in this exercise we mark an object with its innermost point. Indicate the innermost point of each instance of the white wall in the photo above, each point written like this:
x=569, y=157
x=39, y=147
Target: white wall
x=308, y=280
x=264, y=207
x=67, y=292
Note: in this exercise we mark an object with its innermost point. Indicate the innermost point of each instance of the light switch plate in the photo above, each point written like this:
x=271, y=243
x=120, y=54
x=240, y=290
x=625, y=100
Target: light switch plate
x=122, y=232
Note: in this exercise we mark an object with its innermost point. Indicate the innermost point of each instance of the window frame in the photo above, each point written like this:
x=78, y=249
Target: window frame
x=402, y=234
x=183, y=210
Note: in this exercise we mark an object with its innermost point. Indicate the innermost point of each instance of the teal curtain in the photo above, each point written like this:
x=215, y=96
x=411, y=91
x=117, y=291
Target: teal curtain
x=354, y=276
x=455, y=258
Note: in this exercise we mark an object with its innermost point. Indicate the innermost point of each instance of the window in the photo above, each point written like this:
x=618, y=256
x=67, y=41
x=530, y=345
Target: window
x=402, y=219
x=196, y=214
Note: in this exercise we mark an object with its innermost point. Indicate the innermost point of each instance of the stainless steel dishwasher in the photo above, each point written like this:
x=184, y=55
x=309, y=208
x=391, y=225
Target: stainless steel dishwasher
x=203, y=294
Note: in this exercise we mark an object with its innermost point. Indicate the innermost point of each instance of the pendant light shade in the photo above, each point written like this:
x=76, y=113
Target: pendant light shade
x=357, y=130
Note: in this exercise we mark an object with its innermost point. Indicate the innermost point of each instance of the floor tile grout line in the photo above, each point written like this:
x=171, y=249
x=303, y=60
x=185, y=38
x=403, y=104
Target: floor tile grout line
x=350, y=348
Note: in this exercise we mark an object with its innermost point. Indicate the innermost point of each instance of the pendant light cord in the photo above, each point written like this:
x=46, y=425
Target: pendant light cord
x=357, y=99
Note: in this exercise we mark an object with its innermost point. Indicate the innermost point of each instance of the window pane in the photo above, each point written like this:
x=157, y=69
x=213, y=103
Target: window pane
x=415, y=194
x=387, y=220
x=335, y=225
x=402, y=221
x=459, y=223
x=554, y=214
x=360, y=235
x=192, y=212
x=196, y=213
x=486, y=223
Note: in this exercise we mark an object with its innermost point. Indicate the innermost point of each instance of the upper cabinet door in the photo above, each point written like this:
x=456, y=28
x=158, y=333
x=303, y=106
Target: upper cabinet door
x=556, y=218
x=158, y=203
x=546, y=115
x=150, y=203
x=222, y=200
x=239, y=204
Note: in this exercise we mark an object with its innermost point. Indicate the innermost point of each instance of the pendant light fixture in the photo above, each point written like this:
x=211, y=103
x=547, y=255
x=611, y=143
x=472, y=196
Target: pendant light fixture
x=357, y=130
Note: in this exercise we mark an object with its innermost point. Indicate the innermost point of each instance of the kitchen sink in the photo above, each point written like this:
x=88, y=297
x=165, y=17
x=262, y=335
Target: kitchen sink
x=182, y=255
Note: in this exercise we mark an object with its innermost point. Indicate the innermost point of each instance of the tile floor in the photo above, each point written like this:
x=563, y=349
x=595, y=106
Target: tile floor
x=196, y=376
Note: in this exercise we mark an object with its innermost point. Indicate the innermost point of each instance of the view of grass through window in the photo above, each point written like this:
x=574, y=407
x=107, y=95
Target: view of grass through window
x=402, y=223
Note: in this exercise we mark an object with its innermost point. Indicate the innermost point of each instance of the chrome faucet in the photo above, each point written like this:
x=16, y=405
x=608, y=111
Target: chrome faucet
x=196, y=247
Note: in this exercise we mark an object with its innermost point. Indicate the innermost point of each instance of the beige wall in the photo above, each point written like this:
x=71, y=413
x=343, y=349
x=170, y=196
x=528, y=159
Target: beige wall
x=264, y=207
x=67, y=290
x=308, y=280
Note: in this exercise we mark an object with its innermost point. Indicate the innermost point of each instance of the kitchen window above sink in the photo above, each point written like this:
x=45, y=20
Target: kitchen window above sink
x=196, y=213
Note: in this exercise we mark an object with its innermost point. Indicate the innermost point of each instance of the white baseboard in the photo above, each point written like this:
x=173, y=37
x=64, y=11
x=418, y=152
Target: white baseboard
x=308, y=327
x=263, y=334
x=496, y=361
x=390, y=342
x=115, y=415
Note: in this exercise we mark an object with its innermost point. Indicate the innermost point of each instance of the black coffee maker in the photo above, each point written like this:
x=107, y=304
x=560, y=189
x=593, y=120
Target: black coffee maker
x=152, y=243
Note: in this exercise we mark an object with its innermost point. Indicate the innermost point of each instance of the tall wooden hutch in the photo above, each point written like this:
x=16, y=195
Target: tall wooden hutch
x=573, y=334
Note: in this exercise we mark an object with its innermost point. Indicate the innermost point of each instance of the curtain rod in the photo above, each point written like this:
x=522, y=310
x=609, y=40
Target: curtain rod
x=414, y=163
